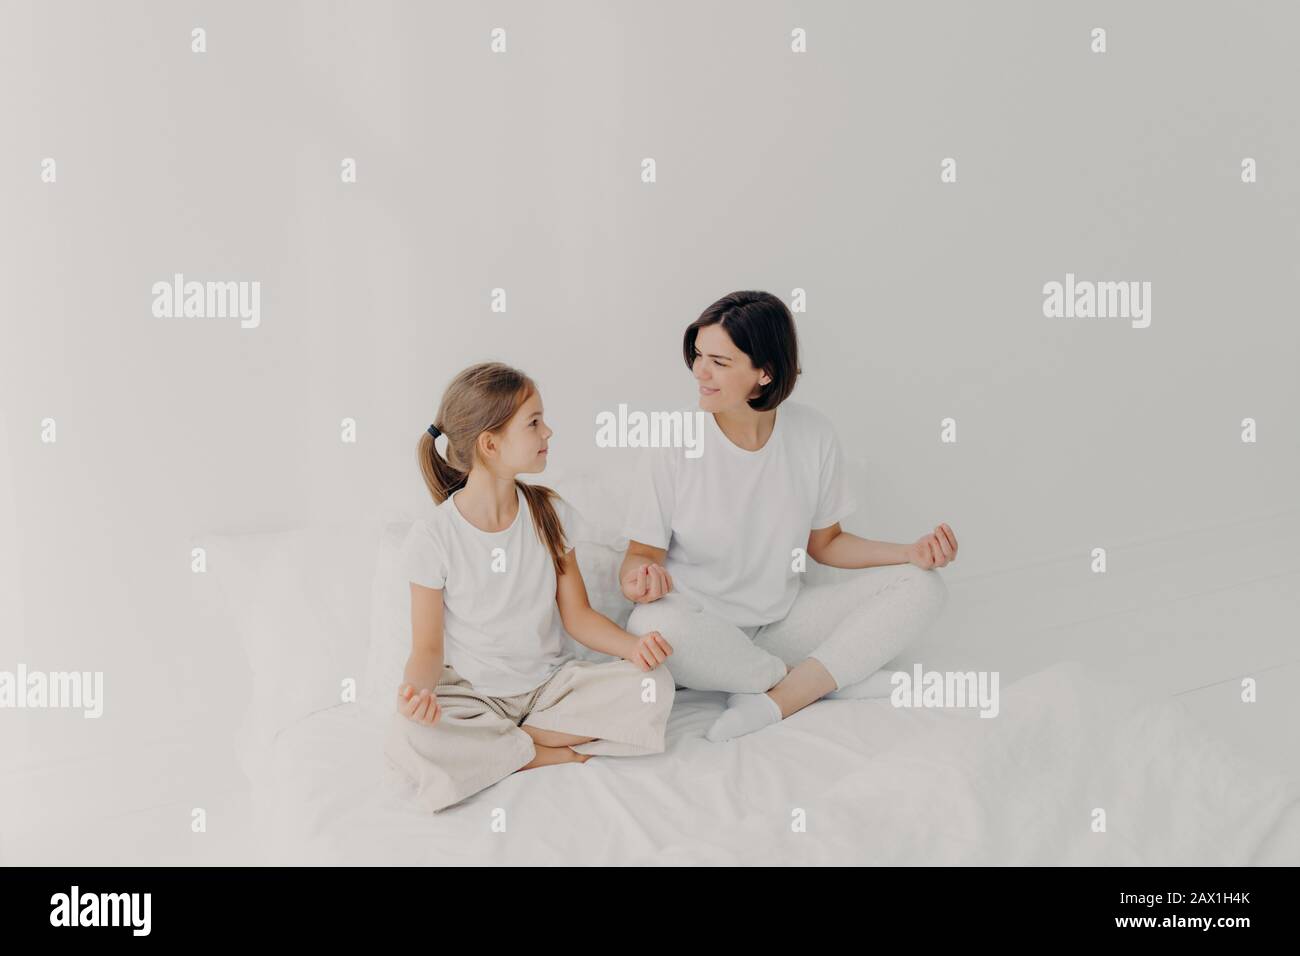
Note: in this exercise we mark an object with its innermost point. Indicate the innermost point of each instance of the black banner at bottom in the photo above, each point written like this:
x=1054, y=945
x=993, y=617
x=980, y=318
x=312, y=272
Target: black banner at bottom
x=308, y=904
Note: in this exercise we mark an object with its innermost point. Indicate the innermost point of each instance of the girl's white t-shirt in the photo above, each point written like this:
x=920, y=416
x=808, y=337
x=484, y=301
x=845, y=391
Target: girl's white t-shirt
x=501, y=625
x=730, y=519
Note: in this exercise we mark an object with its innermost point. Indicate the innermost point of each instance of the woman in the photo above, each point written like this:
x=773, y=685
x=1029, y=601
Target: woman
x=717, y=542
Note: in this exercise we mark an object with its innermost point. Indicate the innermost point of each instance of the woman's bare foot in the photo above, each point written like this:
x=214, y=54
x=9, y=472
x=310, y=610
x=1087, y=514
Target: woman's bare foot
x=546, y=756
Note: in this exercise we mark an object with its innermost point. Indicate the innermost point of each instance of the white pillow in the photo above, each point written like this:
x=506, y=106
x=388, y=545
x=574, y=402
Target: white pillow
x=390, y=624
x=299, y=602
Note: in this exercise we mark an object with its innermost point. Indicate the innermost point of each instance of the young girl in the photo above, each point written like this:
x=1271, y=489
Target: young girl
x=489, y=687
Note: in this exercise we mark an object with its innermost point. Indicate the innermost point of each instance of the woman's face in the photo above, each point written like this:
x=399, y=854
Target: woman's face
x=727, y=378
x=522, y=443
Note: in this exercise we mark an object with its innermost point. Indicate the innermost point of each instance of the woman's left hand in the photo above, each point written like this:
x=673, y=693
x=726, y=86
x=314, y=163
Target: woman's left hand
x=935, y=549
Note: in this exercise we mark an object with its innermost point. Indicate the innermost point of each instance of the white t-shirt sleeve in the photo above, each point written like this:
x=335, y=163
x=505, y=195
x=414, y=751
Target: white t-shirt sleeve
x=576, y=527
x=835, y=500
x=649, y=515
x=422, y=559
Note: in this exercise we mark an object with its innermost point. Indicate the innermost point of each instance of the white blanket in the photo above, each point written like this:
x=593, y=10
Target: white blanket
x=876, y=785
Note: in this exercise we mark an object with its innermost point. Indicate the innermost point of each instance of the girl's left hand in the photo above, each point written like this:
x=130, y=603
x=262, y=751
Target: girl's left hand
x=650, y=651
x=935, y=549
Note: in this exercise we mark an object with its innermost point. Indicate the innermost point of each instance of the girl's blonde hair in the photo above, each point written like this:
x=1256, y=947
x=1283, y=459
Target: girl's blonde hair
x=483, y=398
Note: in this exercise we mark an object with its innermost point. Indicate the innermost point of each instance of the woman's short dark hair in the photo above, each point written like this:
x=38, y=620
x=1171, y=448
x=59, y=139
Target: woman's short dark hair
x=762, y=327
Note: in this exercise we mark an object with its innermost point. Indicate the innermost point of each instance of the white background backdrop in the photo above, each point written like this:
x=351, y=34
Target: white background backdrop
x=522, y=171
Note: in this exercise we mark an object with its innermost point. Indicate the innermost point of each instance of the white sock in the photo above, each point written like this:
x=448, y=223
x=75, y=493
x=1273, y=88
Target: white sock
x=745, y=714
x=879, y=684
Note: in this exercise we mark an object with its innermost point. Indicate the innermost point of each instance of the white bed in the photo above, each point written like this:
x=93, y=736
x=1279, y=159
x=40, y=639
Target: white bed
x=877, y=785
x=841, y=782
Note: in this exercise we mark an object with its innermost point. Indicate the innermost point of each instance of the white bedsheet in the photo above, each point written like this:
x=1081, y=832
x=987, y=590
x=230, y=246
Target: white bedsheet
x=878, y=785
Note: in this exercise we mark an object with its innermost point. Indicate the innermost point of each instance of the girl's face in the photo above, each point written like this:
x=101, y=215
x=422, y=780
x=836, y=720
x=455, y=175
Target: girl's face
x=726, y=376
x=521, y=445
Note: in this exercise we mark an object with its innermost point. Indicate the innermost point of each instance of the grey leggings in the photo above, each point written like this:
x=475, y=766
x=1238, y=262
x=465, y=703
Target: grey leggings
x=853, y=627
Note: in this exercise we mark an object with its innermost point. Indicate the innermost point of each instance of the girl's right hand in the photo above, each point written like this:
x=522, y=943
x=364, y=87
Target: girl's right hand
x=651, y=650
x=647, y=583
x=423, y=707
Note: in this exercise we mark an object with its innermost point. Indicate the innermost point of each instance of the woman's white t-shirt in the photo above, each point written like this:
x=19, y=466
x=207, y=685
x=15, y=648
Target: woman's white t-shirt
x=501, y=625
x=730, y=519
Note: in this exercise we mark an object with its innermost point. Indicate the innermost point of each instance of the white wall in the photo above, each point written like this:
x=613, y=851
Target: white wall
x=775, y=171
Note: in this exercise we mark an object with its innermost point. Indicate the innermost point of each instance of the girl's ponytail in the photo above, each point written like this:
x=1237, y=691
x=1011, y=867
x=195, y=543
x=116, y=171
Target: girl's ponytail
x=440, y=476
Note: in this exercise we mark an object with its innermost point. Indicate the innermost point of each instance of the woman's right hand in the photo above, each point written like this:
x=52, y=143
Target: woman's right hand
x=420, y=707
x=647, y=583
